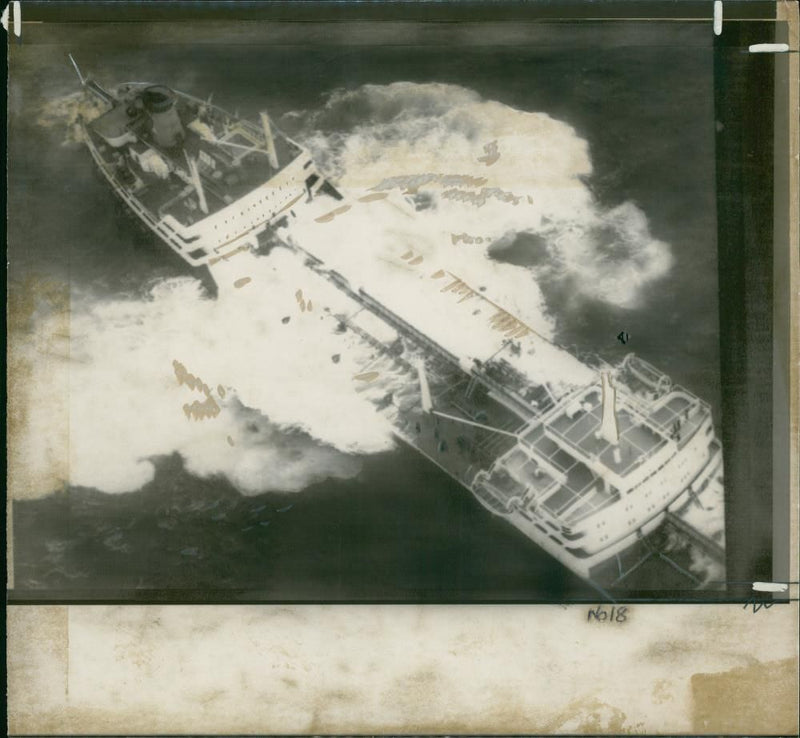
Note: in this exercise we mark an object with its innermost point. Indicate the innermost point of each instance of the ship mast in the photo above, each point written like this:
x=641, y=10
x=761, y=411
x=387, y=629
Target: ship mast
x=198, y=185
x=425, y=390
x=91, y=85
x=427, y=405
x=270, y=140
x=609, y=428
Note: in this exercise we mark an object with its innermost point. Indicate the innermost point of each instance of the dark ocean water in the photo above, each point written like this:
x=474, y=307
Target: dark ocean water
x=401, y=530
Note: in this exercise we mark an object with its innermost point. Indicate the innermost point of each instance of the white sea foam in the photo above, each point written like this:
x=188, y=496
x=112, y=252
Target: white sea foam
x=290, y=414
x=125, y=403
x=535, y=170
x=64, y=113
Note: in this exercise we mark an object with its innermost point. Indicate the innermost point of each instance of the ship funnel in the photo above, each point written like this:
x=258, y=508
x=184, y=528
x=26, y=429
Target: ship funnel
x=608, y=426
x=160, y=104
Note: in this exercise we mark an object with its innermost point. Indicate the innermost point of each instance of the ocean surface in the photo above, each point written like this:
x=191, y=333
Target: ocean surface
x=311, y=519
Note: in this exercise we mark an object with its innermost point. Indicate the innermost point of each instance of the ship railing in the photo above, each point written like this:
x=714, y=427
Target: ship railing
x=370, y=339
x=580, y=454
x=489, y=447
x=142, y=85
x=535, y=494
x=462, y=409
x=470, y=413
x=488, y=493
x=565, y=401
x=634, y=407
x=695, y=399
x=709, y=545
x=139, y=209
x=710, y=469
x=640, y=410
x=646, y=373
x=556, y=474
x=695, y=407
x=403, y=326
x=185, y=192
x=675, y=389
x=571, y=522
x=507, y=397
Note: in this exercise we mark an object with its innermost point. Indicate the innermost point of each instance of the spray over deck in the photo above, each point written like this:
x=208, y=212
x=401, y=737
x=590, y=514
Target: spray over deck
x=585, y=458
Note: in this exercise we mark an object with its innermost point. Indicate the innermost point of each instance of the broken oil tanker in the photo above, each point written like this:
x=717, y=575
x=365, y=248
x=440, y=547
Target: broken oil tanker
x=584, y=469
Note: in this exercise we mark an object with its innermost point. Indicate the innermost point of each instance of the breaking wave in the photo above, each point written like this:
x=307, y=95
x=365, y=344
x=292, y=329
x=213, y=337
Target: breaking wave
x=490, y=172
x=64, y=114
x=240, y=385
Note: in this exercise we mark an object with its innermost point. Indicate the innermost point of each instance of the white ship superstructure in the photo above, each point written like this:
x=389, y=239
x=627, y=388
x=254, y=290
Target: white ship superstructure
x=586, y=497
x=584, y=460
x=205, y=182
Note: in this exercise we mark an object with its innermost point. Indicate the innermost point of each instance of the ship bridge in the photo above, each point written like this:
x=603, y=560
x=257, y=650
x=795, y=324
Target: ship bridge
x=563, y=466
x=543, y=475
x=574, y=426
x=645, y=430
x=167, y=133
